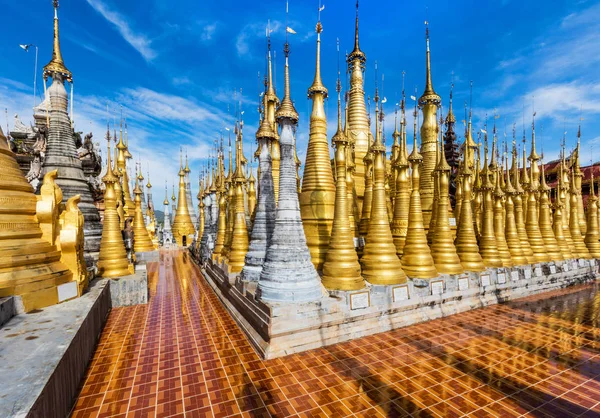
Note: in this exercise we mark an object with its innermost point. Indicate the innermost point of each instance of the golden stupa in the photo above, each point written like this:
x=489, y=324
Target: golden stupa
x=141, y=238
x=545, y=219
x=30, y=265
x=402, y=201
x=487, y=238
x=591, y=235
x=113, y=261
x=129, y=205
x=380, y=264
x=499, y=209
x=511, y=232
x=428, y=103
x=444, y=254
x=222, y=220
x=581, y=250
x=183, y=228
x=341, y=270
x=417, y=261
x=358, y=129
x=317, y=199
x=239, y=234
x=466, y=241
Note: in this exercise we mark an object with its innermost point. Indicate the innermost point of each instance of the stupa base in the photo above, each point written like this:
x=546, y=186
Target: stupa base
x=130, y=290
x=279, y=329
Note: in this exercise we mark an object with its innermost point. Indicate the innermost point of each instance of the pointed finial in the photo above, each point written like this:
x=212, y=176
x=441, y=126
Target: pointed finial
x=109, y=177
x=470, y=100
x=415, y=156
x=187, y=167
x=317, y=85
x=339, y=136
x=270, y=94
x=56, y=64
x=534, y=155
x=356, y=52
x=451, y=118
x=180, y=160
x=443, y=162
x=429, y=95
x=287, y=109
x=579, y=133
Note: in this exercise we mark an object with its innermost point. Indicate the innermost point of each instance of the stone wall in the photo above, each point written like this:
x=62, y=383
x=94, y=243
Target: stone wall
x=281, y=329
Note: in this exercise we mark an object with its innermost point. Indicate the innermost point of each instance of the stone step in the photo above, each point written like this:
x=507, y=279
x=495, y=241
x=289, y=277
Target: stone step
x=7, y=309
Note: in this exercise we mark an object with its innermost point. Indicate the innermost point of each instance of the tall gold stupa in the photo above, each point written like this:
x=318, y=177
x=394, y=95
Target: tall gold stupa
x=30, y=265
x=183, y=228
x=317, y=199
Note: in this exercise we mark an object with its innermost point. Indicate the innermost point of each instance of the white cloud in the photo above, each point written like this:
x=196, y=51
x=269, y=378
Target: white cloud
x=138, y=41
x=251, y=32
x=153, y=105
x=208, y=31
x=158, y=124
x=509, y=62
x=181, y=81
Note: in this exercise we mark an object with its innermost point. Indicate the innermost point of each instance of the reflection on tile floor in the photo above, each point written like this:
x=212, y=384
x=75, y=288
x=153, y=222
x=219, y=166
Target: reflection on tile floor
x=183, y=355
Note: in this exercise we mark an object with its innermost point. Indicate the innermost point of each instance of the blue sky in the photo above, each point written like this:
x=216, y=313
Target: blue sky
x=174, y=65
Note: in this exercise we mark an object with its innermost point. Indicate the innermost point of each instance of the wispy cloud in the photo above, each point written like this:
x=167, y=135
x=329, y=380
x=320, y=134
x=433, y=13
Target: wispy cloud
x=137, y=40
x=566, y=48
x=181, y=81
x=208, y=31
x=159, y=123
x=253, y=31
x=167, y=107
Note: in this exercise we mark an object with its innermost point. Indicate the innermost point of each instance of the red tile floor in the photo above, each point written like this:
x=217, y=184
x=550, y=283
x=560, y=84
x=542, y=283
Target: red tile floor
x=183, y=355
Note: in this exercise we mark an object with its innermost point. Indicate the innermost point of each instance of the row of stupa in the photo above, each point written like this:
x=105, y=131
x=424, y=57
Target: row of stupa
x=363, y=218
x=53, y=243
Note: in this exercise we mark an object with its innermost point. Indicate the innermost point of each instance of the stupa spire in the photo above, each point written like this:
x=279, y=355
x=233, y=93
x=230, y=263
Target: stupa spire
x=357, y=124
x=142, y=241
x=416, y=259
x=183, y=226
x=112, y=261
x=264, y=218
x=428, y=83
x=288, y=274
x=341, y=269
x=317, y=198
x=56, y=64
x=356, y=52
x=380, y=263
x=402, y=199
x=61, y=150
x=511, y=233
x=429, y=103
x=591, y=236
x=443, y=251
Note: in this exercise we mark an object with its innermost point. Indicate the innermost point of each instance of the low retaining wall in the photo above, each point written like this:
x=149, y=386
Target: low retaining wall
x=45, y=354
x=281, y=329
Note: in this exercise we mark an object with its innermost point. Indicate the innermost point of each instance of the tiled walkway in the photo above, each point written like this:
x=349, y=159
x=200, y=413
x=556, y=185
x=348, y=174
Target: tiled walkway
x=183, y=355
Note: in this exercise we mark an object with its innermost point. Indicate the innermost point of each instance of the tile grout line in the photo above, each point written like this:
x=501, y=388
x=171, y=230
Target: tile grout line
x=161, y=283
x=120, y=353
x=178, y=289
x=193, y=328
x=202, y=315
x=205, y=286
x=119, y=313
x=146, y=323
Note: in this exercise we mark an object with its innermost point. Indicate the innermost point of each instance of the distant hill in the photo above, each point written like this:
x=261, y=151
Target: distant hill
x=160, y=216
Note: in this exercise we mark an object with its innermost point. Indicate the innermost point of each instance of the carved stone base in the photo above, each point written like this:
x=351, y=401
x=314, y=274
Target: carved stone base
x=282, y=329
